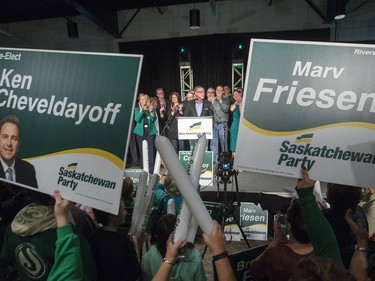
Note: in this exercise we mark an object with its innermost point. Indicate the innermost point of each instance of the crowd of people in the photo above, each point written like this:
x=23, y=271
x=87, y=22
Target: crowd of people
x=151, y=120
x=45, y=237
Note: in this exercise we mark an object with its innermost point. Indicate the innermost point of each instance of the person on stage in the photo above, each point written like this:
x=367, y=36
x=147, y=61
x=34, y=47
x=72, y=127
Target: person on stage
x=174, y=110
x=235, y=108
x=145, y=129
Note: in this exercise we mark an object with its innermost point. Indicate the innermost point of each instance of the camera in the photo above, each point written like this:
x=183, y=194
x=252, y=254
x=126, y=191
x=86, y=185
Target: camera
x=225, y=162
x=224, y=168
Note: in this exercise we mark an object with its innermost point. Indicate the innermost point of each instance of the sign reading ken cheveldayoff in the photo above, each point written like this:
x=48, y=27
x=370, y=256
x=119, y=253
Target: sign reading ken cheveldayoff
x=75, y=109
x=309, y=104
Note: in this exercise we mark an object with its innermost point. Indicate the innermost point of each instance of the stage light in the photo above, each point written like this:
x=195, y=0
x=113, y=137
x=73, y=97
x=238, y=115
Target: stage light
x=339, y=9
x=194, y=19
x=238, y=51
x=72, y=29
x=184, y=54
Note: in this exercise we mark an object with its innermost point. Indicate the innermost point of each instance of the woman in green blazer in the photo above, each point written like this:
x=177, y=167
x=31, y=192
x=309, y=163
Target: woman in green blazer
x=145, y=129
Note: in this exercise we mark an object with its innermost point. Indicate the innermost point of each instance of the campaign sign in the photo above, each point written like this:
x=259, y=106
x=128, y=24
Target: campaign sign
x=206, y=178
x=240, y=263
x=250, y=217
x=230, y=214
x=254, y=221
x=309, y=104
x=75, y=111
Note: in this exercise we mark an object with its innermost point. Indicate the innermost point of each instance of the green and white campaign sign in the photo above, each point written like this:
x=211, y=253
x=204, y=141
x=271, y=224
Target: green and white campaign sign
x=75, y=110
x=254, y=221
x=206, y=178
x=309, y=104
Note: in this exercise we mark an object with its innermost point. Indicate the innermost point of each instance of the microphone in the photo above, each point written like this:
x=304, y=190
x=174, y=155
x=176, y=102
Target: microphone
x=175, y=110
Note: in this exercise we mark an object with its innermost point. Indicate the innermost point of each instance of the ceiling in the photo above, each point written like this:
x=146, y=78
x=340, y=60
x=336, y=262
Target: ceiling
x=104, y=12
x=24, y=10
x=101, y=12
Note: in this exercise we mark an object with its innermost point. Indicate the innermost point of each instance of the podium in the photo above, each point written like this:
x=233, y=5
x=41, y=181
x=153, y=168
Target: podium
x=190, y=127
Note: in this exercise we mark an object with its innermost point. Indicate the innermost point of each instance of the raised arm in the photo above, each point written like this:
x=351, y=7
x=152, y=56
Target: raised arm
x=320, y=231
x=68, y=261
x=216, y=242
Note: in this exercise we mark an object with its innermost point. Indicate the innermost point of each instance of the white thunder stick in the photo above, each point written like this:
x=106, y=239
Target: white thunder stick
x=186, y=222
x=184, y=184
x=148, y=202
x=145, y=156
x=170, y=207
x=157, y=164
x=197, y=159
x=141, y=192
x=195, y=171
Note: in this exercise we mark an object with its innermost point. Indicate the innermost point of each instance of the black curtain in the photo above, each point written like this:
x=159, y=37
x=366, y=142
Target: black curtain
x=211, y=57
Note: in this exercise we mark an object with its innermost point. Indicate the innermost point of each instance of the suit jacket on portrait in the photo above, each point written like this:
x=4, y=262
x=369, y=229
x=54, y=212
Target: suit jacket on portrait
x=25, y=174
x=189, y=109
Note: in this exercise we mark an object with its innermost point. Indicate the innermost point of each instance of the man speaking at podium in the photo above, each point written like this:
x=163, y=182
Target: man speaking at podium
x=198, y=107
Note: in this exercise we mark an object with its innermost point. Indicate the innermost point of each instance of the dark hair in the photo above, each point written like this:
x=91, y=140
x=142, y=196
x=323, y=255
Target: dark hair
x=12, y=119
x=127, y=188
x=297, y=225
x=164, y=227
x=175, y=94
x=101, y=216
x=168, y=183
x=239, y=90
x=343, y=197
x=313, y=268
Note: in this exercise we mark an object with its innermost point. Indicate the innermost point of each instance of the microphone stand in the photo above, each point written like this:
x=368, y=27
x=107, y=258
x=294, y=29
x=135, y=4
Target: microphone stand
x=169, y=120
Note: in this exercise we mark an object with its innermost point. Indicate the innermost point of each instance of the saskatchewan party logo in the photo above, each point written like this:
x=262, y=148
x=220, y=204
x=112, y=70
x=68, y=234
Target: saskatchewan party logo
x=195, y=126
x=303, y=153
x=70, y=177
x=30, y=261
x=306, y=138
x=72, y=166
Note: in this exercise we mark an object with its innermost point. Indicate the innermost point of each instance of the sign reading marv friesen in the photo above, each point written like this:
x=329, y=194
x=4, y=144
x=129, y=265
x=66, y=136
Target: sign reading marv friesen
x=309, y=104
x=75, y=110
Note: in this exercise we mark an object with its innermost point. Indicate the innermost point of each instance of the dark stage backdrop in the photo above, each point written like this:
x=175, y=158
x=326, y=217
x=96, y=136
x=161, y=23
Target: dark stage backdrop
x=211, y=57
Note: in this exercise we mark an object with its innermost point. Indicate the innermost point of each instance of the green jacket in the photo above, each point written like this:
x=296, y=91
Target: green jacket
x=320, y=231
x=68, y=261
x=34, y=240
x=138, y=118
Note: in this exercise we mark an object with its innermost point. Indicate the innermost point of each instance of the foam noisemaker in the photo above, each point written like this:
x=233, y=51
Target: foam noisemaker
x=141, y=192
x=171, y=207
x=148, y=203
x=157, y=164
x=184, y=183
x=195, y=170
x=145, y=155
x=187, y=224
